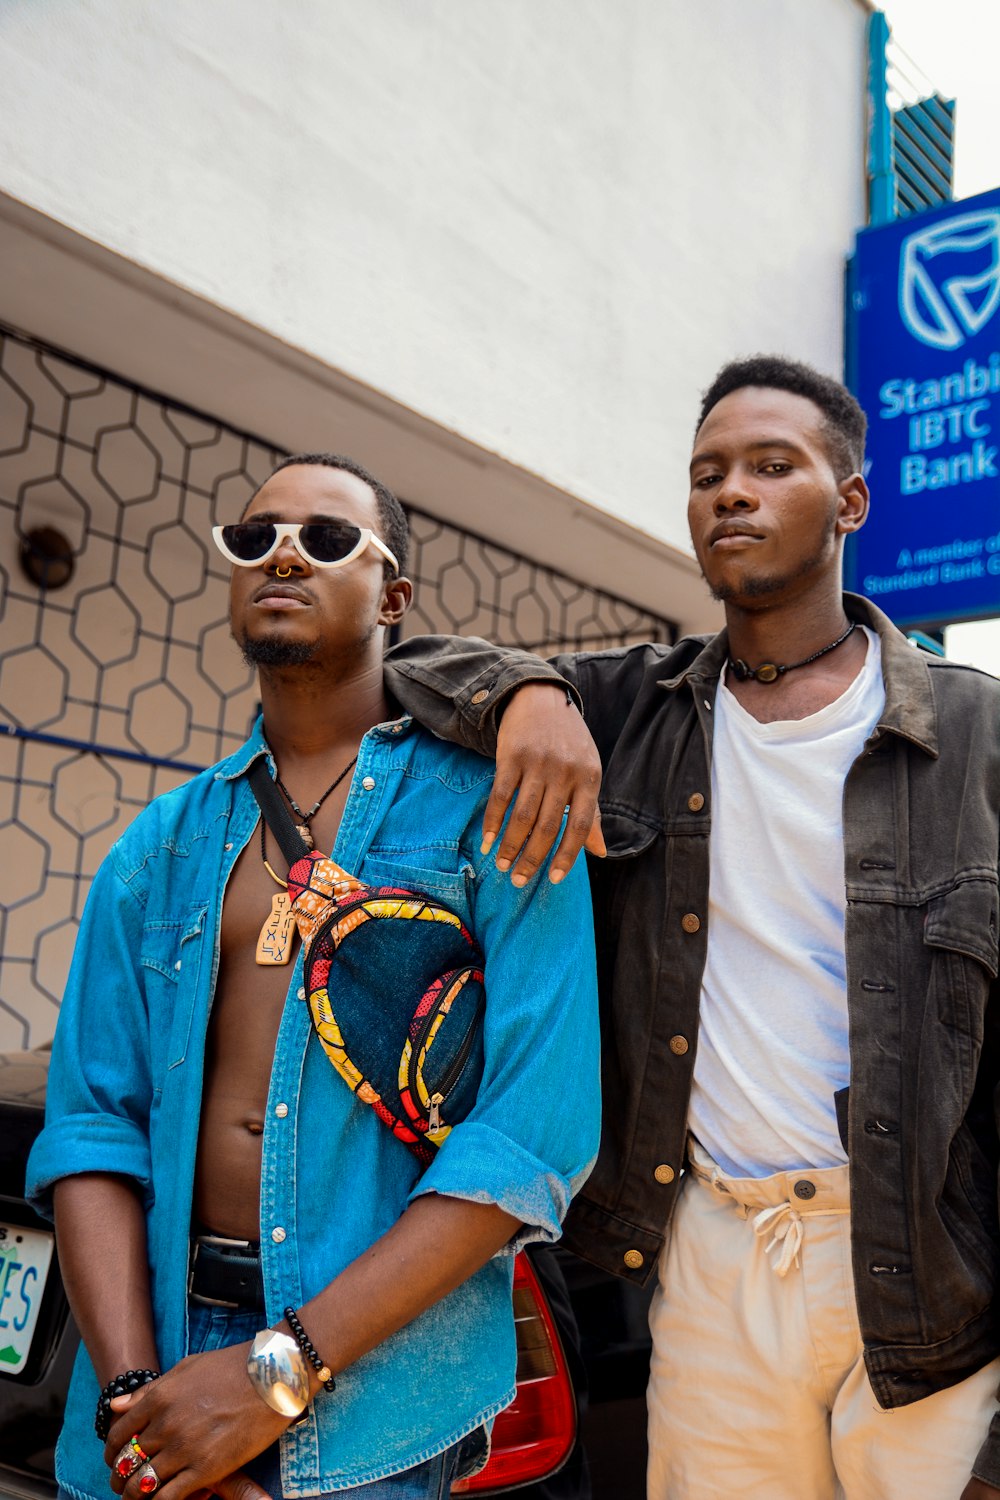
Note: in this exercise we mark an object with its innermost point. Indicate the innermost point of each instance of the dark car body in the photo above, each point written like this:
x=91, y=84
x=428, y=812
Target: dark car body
x=601, y=1324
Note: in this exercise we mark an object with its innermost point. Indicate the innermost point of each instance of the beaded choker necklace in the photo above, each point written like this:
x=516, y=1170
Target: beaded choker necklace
x=274, y=945
x=768, y=671
x=307, y=817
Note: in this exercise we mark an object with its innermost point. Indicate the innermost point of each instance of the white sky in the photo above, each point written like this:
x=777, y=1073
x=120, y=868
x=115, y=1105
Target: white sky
x=957, y=45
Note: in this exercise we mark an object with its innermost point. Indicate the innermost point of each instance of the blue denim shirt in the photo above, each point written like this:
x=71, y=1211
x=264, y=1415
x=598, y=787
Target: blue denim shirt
x=126, y=1081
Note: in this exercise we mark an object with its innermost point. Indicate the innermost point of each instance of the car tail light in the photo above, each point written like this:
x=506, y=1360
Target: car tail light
x=535, y=1434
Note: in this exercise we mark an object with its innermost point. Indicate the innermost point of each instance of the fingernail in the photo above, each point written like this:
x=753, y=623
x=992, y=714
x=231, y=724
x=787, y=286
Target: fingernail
x=519, y=880
x=555, y=876
x=489, y=840
x=503, y=864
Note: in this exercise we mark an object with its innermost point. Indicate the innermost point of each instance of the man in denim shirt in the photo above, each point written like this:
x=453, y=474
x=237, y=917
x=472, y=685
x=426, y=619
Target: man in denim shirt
x=188, y=1090
x=797, y=948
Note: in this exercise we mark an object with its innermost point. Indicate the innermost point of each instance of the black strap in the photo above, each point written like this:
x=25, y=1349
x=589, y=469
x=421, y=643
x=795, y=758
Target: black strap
x=276, y=815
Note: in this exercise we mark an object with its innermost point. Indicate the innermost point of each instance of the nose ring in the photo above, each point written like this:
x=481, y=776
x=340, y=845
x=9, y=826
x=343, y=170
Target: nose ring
x=286, y=574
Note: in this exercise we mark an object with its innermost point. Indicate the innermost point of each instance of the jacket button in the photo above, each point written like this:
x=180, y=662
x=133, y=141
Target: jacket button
x=664, y=1173
x=805, y=1189
x=369, y=783
x=690, y=922
x=634, y=1259
x=695, y=802
x=481, y=696
x=277, y=1234
x=281, y=1110
x=679, y=1045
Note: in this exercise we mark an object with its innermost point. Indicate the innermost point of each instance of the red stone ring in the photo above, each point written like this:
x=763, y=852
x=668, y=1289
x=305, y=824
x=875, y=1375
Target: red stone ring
x=148, y=1479
x=130, y=1457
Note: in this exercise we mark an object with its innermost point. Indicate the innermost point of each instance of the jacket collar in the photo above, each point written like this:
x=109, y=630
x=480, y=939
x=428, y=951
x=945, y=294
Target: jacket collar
x=909, y=710
x=241, y=760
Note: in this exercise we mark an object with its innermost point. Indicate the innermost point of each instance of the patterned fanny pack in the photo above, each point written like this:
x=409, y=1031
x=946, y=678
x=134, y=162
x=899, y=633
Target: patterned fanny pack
x=394, y=983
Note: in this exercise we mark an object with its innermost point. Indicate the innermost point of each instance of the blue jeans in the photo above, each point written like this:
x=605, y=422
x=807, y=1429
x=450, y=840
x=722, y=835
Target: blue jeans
x=218, y=1327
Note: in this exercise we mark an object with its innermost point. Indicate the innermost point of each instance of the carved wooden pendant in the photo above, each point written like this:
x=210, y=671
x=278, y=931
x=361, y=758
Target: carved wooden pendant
x=307, y=838
x=274, y=946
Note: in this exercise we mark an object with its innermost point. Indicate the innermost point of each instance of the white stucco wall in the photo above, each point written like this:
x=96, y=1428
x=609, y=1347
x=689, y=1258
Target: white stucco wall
x=542, y=224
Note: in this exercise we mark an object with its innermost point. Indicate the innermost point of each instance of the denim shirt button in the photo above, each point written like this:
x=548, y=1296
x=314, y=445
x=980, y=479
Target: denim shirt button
x=805, y=1189
x=277, y=1234
x=281, y=1110
x=228, y=847
x=369, y=783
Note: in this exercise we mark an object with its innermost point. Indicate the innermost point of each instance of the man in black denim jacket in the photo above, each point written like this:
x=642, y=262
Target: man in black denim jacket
x=776, y=486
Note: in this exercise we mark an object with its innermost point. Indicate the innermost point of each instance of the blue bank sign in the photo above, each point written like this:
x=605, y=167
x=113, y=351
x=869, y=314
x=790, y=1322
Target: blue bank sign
x=924, y=360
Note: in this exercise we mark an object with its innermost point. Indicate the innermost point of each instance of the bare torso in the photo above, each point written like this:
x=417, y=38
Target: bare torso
x=246, y=1014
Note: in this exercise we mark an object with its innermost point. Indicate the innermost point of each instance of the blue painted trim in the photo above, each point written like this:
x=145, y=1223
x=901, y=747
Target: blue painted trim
x=926, y=642
x=87, y=747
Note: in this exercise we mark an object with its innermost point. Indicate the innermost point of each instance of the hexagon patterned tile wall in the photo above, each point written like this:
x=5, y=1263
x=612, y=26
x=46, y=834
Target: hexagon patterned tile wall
x=117, y=686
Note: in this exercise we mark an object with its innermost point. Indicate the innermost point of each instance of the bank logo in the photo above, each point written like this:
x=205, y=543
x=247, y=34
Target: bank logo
x=949, y=279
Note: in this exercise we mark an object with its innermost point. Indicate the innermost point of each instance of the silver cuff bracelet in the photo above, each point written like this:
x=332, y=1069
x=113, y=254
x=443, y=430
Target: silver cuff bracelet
x=278, y=1373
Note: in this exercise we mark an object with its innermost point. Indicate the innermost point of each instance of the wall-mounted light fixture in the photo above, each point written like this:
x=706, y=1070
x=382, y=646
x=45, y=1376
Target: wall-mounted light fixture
x=47, y=557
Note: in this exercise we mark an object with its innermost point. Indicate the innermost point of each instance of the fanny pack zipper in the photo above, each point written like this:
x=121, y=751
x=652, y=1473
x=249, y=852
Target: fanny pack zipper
x=454, y=1070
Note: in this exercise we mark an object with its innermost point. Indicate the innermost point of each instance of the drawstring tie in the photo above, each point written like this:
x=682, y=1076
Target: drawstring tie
x=785, y=1224
x=787, y=1232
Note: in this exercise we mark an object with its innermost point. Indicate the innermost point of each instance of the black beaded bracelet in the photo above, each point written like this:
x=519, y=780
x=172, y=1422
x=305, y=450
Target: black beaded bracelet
x=308, y=1349
x=122, y=1385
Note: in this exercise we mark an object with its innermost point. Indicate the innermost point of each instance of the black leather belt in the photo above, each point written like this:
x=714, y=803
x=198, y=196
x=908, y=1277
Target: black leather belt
x=225, y=1273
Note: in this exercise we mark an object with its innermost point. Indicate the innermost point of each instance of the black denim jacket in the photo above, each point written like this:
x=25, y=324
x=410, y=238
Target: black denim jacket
x=920, y=857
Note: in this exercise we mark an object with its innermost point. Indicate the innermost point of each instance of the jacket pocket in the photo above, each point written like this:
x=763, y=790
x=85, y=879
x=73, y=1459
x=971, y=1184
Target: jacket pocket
x=968, y=1210
x=170, y=956
x=962, y=925
x=626, y=832
x=451, y=886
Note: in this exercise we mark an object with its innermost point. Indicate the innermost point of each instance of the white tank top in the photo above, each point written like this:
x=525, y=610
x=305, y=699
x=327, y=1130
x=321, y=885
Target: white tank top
x=773, y=1039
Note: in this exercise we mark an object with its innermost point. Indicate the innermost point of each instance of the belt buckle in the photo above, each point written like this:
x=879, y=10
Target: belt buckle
x=199, y=1297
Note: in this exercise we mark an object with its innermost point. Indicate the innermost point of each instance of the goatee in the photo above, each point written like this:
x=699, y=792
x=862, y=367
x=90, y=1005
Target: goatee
x=269, y=651
x=760, y=586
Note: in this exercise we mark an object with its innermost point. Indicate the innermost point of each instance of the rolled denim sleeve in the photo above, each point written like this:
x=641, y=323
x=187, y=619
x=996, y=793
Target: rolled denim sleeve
x=458, y=686
x=99, y=1089
x=532, y=1137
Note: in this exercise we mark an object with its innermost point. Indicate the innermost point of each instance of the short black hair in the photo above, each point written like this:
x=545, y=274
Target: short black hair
x=394, y=526
x=844, y=422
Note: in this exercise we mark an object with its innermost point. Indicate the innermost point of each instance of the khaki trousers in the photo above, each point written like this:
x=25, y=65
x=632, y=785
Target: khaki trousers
x=757, y=1386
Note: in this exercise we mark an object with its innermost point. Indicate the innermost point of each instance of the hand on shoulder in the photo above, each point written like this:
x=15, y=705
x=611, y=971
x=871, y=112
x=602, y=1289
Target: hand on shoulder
x=547, y=759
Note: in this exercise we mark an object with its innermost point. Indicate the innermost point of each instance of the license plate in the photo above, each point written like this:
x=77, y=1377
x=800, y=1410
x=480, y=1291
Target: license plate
x=25, y=1257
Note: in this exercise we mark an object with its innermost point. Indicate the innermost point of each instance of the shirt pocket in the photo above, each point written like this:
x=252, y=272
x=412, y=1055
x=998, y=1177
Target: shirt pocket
x=962, y=927
x=171, y=959
x=452, y=886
